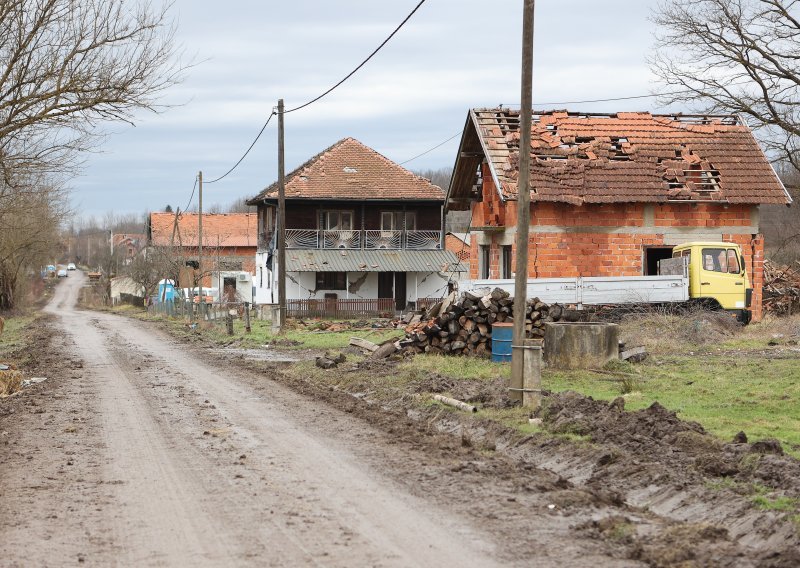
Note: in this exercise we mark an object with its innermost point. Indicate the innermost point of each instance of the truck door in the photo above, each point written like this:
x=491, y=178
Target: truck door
x=722, y=277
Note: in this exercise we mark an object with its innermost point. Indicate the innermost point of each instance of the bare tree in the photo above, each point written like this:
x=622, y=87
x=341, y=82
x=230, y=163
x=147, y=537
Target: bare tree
x=735, y=56
x=30, y=214
x=66, y=65
x=440, y=177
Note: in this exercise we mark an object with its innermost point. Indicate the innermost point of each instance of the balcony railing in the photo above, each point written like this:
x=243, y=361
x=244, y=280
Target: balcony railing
x=354, y=239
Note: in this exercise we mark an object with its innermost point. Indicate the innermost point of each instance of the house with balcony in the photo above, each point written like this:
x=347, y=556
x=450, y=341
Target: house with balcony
x=362, y=234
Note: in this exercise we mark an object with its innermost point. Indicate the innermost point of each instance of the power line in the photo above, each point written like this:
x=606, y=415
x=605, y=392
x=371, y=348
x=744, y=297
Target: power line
x=615, y=99
x=430, y=150
x=192, y=195
x=555, y=103
x=236, y=165
x=371, y=55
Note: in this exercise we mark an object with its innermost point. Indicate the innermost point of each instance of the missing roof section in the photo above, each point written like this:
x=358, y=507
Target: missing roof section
x=507, y=121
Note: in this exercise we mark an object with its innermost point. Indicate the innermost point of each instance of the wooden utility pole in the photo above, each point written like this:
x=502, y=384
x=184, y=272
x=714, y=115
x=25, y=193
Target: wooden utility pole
x=523, y=207
x=281, y=223
x=200, y=233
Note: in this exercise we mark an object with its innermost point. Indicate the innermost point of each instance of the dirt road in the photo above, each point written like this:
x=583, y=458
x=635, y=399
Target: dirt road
x=141, y=451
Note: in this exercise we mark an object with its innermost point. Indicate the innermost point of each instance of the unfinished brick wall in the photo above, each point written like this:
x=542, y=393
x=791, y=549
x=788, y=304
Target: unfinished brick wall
x=702, y=215
x=753, y=252
x=592, y=240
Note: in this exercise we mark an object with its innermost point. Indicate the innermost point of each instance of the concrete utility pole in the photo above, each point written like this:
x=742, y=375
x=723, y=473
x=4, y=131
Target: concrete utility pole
x=200, y=232
x=281, y=223
x=523, y=207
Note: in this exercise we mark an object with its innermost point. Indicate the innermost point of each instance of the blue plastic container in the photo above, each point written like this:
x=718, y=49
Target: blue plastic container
x=502, y=334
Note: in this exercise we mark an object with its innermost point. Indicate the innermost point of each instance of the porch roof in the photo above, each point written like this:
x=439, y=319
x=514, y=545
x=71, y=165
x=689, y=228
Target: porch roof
x=335, y=260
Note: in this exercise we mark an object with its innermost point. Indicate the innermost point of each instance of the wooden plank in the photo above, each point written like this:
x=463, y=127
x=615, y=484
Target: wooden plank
x=363, y=344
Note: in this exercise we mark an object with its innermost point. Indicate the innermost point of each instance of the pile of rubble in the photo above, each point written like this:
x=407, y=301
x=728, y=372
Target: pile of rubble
x=463, y=325
x=781, y=292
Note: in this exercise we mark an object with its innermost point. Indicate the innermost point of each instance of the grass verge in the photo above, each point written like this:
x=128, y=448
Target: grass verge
x=13, y=352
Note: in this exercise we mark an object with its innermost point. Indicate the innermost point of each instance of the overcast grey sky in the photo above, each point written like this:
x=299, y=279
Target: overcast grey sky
x=451, y=56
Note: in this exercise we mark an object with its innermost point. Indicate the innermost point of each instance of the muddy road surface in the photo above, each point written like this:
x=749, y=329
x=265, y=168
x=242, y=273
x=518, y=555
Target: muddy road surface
x=140, y=451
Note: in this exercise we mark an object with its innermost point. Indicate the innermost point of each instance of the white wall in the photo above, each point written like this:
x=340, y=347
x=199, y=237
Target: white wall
x=244, y=288
x=264, y=281
x=364, y=285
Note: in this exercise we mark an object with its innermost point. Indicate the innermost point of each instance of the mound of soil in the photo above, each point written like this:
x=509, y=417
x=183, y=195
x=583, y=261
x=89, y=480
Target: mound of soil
x=641, y=431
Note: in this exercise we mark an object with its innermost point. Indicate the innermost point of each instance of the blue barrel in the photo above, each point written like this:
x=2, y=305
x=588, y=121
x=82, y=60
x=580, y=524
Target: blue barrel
x=501, y=341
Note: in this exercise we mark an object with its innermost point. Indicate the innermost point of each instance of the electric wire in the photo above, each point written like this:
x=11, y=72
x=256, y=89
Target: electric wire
x=353, y=72
x=236, y=165
x=430, y=150
x=553, y=103
x=191, y=197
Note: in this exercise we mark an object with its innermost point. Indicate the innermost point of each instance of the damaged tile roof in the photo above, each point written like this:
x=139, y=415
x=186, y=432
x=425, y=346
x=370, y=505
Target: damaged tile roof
x=219, y=229
x=627, y=157
x=351, y=170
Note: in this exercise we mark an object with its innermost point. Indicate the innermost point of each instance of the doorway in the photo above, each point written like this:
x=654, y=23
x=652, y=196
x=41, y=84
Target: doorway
x=229, y=289
x=651, y=257
x=393, y=285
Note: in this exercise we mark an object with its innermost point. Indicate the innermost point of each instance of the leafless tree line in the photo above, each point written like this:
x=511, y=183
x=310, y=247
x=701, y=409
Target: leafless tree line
x=66, y=67
x=735, y=56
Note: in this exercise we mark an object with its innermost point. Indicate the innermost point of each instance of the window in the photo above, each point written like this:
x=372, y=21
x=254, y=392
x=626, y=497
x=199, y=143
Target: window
x=393, y=221
x=331, y=280
x=338, y=220
x=733, y=262
x=507, y=254
x=718, y=260
x=483, y=262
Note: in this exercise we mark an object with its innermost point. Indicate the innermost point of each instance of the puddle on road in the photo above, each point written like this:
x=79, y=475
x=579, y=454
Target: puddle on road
x=258, y=355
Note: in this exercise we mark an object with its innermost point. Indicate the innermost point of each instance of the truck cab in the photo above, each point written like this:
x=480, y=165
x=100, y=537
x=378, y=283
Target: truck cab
x=717, y=275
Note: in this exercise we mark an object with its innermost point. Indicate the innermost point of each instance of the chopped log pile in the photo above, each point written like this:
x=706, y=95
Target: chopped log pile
x=781, y=292
x=463, y=325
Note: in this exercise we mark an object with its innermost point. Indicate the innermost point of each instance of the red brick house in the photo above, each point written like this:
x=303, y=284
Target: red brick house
x=128, y=245
x=612, y=193
x=229, y=239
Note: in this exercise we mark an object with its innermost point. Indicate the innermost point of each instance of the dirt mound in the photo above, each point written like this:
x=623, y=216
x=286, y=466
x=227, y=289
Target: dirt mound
x=572, y=413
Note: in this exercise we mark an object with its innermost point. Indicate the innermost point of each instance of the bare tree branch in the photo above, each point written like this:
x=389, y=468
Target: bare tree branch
x=735, y=56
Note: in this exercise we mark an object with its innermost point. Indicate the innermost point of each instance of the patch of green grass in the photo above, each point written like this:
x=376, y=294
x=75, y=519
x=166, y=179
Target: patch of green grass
x=261, y=334
x=721, y=484
x=764, y=499
x=459, y=367
x=14, y=333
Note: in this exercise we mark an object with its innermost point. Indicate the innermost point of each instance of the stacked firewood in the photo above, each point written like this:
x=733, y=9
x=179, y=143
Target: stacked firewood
x=463, y=325
x=781, y=292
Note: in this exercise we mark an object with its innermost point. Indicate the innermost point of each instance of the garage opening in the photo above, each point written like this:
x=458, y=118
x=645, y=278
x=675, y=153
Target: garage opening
x=651, y=257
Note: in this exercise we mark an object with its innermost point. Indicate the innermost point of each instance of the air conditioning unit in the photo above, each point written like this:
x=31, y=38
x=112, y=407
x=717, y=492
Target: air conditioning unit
x=243, y=278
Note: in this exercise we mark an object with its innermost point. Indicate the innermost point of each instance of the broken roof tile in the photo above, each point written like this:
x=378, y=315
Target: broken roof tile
x=627, y=157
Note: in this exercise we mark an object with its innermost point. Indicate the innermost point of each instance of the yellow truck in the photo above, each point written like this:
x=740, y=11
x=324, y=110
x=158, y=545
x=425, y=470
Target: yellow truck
x=707, y=273
x=717, y=276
